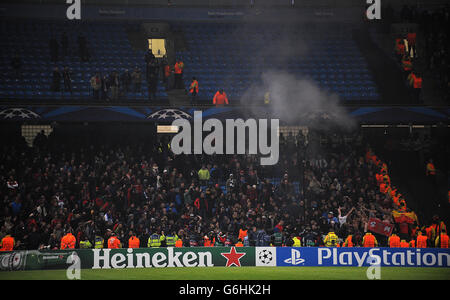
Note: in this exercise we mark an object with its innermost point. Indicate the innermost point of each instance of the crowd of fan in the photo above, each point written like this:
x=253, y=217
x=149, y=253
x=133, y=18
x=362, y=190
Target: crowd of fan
x=93, y=188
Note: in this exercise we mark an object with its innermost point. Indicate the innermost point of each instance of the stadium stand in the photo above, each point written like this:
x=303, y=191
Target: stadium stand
x=219, y=55
x=28, y=41
x=216, y=54
x=91, y=181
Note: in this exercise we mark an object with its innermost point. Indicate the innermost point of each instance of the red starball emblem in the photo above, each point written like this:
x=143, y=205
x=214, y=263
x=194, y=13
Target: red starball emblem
x=233, y=258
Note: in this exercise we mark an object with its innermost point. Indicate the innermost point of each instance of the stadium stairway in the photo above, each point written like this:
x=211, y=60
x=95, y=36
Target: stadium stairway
x=178, y=98
x=409, y=178
x=386, y=74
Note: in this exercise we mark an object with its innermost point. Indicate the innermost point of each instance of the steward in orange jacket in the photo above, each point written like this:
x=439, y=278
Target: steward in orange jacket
x=404, y=244
x=7, y=243
x=220, y=98
x=113, y=242
x=442, y=240
x=68, y=241
x=133, y=241
x=193, y=89
x=369, y=240
x=394, y=241
x=421, y=240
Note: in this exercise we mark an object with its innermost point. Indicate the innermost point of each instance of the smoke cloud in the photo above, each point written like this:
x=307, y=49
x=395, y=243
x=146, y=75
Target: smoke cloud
x=297, y=99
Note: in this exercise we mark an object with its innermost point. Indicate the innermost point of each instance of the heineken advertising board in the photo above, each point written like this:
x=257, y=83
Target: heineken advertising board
x=224, y=257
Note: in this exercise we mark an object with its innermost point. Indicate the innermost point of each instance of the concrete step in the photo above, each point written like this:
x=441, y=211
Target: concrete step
x=178, y=97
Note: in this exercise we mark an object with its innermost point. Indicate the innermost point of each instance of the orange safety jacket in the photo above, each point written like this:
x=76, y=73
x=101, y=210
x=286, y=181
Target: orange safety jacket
x=394, y=241
x=193, y=87
x=133, y=242
x=348, y=241
x=421, y=241
x=68, y=241
x=179, y=67
x=179, y=243
x=443, y=240
x=113, y=243
x=369, y=240
x=417, y=82
x=242, y=234
x=404, y=244
x=7, y=243
x=220, y=99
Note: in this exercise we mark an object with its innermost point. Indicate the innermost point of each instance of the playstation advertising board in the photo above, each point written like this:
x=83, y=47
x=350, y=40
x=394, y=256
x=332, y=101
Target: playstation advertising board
x=225, y=257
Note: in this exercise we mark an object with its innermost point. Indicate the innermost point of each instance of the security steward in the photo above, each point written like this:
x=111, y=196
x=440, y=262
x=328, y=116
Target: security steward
x=178, y=73
x=133, y=241
x=394, y=241
x=442, y=240
x=85, y=244
x=404, y=244
x=297, y=242
x=348, y=241
x=331, y=240
x=7, y=243
x=113, y=242
x=171, y=240
x=220, y=98
x=68, y=241
x=369, y=240
x=154, y=240
x=193, y=90
x=98, y=242
x=422, y=240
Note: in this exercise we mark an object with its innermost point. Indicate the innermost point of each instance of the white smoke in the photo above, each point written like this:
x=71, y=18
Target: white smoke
x=296, y=99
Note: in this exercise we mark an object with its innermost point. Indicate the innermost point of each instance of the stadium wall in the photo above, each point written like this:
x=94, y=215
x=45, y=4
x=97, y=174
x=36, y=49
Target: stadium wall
x=106, y=12
x=224, y=257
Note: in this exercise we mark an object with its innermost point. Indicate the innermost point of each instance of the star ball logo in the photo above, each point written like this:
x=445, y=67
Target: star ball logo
x=266, y=256
x=233, y=257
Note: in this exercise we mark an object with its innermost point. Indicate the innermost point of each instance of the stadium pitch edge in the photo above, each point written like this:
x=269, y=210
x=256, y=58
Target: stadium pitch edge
x=235, y=273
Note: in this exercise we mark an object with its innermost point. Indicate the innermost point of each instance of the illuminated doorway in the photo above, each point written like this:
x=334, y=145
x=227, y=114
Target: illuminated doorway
x=158, y=47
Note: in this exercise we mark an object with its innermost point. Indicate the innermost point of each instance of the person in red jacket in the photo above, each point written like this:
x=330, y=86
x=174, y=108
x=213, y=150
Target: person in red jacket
x=193, y=90
x=411, y=38
x=178, y=71
x=113, y=242
x=220, y=98
x=68, y=241
x=421, y=241
x=7, y=243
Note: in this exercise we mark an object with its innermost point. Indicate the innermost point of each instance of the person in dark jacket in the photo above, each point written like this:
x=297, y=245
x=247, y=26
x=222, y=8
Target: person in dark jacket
x=125, y=82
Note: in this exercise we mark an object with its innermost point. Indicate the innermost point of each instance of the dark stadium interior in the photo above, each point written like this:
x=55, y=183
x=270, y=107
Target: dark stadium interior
x=80, y=102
